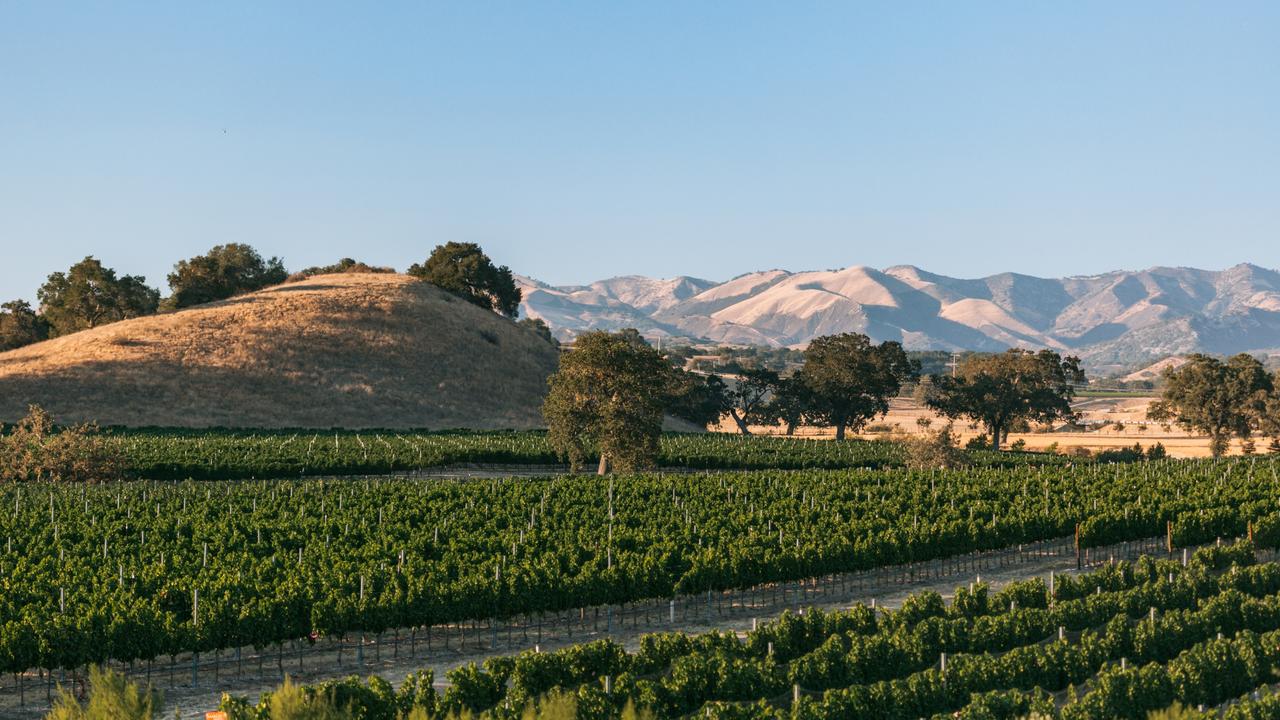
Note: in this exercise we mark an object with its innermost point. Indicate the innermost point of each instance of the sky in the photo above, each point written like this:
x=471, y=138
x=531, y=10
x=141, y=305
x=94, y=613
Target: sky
x=581, y=140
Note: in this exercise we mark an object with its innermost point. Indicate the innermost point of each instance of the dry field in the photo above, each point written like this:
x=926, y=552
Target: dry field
x=904, y=415
x=350, y=350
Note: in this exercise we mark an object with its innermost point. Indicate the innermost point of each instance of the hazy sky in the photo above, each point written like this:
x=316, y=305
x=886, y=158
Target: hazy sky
x=576, y=141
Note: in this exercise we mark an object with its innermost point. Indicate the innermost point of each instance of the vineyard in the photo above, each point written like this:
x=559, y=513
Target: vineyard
x=140, y=570
x=1117, y=643
x=231, y=454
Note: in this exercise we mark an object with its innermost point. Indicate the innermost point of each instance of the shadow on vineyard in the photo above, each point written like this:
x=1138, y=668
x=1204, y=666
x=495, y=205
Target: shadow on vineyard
x=176, y=454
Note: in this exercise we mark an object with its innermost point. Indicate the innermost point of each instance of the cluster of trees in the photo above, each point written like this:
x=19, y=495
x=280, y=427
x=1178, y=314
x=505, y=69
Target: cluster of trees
x=846, y=381
x=1224, y=399
x=89, y=294
x=611, y=392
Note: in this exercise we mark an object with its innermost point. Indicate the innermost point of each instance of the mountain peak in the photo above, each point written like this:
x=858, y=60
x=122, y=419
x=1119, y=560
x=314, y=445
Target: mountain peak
x=1112, y=317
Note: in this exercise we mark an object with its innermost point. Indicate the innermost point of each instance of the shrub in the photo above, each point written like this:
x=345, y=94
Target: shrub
x=933, y=450
x=111, y=697
x=978, y=442
x=343, y=266
x=1122, y=455
x=35, y=450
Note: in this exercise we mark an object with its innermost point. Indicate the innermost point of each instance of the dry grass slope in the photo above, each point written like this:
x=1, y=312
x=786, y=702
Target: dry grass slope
x=351, y=350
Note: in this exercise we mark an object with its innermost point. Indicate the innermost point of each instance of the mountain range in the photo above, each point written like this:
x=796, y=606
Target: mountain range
x=1112, y=320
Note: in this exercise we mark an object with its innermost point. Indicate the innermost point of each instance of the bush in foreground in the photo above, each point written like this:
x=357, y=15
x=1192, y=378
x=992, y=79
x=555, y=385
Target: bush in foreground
x=111, y=697
x=35, y=450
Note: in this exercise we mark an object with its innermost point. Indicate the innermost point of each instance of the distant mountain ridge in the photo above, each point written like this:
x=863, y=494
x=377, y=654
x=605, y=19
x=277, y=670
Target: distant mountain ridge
x=1113, y=319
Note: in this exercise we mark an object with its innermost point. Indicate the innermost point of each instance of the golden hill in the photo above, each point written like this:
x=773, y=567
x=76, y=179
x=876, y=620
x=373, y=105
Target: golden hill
x=352, y=350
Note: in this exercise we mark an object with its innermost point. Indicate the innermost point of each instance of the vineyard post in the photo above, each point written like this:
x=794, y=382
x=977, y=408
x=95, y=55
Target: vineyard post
x=1079, y=561
x=1168, y=535
x=360, y=647
x=493, y=627
x=671, y=612
x=195, y=622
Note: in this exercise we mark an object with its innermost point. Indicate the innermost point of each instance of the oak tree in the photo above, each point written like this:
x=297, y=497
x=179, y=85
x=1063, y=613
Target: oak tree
x=89, y=295
x=788, y=404
x=20, y=325
x=1219, y=399
x=850, y=380
x=699, y=399
x=1006, y=388
x=609, y=393
x=464, y=270
x=224, y=271
x=749, y=396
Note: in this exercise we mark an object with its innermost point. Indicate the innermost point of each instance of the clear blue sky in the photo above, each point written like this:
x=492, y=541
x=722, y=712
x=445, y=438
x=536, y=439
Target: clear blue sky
x=576, y=141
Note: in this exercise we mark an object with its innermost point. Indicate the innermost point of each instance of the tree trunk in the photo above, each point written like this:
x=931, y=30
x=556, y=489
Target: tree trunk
x=996, y=431
x=840, y=431
x=1219, y=444
x=791, y=428
x=604, y=465
x=741, y=421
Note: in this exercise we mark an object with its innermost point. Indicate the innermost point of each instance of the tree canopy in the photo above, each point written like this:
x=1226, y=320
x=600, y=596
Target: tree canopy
x=1220, y=399
x=540, y=328
x=224, y=271
x=464, y=270
x=609, y=393
x=850, y=380
x=788, y=405
x=20, y=325
x=89, y=295
x=699, y=399
x=750, y=395
x=999, y=390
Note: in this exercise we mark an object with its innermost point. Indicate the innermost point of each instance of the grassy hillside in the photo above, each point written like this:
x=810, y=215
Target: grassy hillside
x=352, y=350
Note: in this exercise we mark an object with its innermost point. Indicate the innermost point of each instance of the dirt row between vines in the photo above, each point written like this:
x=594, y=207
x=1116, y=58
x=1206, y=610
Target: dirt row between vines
x=195, y=685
